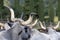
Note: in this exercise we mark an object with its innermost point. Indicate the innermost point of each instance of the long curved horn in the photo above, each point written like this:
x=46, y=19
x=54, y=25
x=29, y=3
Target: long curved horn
x=22, y=21
x=57, y=25
x=12, y=13
x=25, y=22
x=33, y=24
x=28, y=21
x=42, y=25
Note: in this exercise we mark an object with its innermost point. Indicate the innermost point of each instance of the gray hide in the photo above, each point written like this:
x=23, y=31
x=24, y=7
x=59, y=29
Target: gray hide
x=53, y=34
x=19, y=28
x=6, y=34
x=36, y=35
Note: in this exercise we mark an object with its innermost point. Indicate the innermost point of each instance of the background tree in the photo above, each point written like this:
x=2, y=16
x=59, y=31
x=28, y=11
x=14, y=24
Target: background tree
x=28, y=6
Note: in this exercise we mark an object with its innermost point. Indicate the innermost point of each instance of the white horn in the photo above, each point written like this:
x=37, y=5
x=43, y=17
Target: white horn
x=25, y=22
x=18, y=19
x=35, y=22
x=31, y=25
x=42, y=25
x=12, y=13
x=56, y=25
x=28, y=21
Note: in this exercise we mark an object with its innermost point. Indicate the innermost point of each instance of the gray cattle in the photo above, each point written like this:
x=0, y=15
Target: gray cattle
x=22, y=32
x=53, y=34
x=16, y=29
x=16, y=32
x=36, y=35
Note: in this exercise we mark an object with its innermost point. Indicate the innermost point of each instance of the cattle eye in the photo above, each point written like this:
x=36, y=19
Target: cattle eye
x=26, y=29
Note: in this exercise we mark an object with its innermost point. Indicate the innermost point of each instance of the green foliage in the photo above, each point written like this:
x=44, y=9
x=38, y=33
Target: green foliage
x=34, y=6
x=58, y=10
x=29, y=6
x=1, y=3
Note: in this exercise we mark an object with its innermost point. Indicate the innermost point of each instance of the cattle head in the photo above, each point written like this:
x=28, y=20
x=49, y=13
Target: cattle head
x=21, y=31
x=21, y=27
x=27, y=29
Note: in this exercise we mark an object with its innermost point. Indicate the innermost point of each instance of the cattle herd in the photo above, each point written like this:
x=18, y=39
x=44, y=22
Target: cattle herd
x=19, y=29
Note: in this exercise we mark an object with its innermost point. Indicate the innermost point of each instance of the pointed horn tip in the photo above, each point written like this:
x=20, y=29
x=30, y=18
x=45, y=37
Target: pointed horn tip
x=56, y=26
x=39, y=21
x=42, y=25
x=7, y=6
x=31, y=25
x=59, y=21
x=36, y=21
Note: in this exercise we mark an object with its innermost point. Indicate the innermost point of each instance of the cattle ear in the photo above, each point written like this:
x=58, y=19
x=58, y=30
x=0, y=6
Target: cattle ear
x=6, y=26
x=12, y=13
